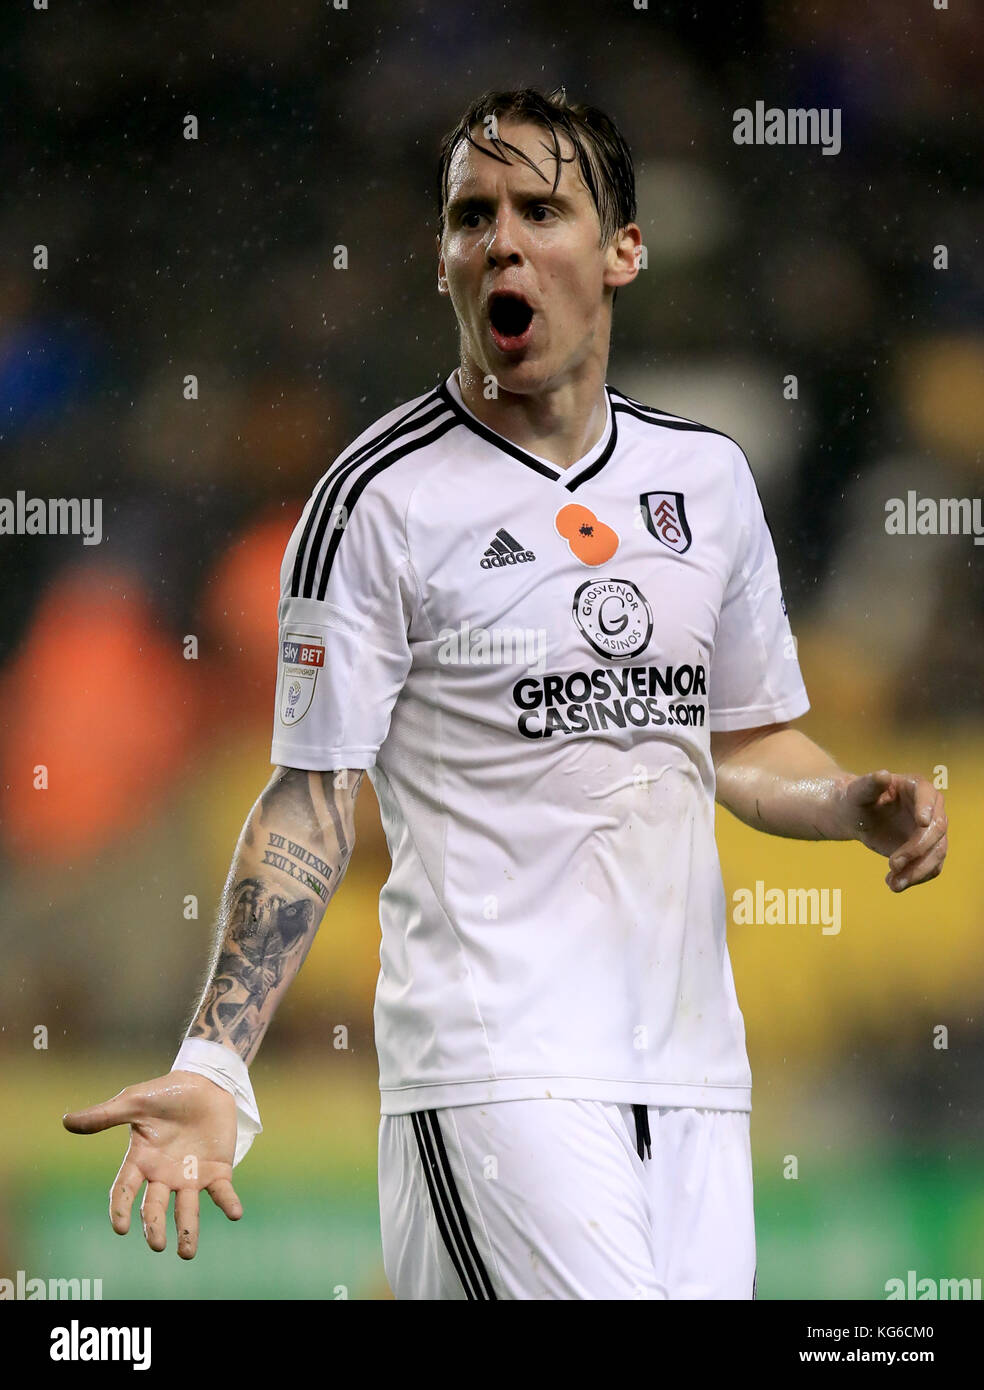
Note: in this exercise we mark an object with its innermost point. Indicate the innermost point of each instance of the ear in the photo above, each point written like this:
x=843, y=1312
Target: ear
x=621, y=258
x=442, y=279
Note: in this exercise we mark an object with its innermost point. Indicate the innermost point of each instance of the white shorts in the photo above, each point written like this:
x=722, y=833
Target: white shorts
x=550, y=1199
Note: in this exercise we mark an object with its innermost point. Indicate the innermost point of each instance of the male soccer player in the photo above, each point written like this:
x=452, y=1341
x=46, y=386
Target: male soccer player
x=547, y=620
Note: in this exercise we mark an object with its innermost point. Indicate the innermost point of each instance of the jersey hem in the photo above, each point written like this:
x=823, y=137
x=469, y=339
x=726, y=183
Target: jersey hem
x=404, y=1100
x=723, y=721
x=318, y=760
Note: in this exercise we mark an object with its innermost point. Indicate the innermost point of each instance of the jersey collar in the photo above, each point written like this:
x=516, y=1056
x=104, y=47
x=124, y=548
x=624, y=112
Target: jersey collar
x=570, y=478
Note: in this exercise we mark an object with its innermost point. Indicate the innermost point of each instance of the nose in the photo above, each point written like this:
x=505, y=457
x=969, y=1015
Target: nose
x=504, y=244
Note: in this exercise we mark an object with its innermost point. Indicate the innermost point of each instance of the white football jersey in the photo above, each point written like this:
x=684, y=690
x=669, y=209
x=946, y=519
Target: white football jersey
x=530, y=661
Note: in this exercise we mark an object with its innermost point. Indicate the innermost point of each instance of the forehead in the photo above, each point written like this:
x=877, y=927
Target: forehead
x=472, y=170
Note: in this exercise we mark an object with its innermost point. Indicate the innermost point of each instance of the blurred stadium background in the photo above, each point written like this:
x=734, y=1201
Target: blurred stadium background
x=318, y=128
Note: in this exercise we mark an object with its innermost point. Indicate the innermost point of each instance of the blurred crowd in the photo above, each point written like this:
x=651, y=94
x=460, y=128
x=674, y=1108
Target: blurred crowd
x=318, y=128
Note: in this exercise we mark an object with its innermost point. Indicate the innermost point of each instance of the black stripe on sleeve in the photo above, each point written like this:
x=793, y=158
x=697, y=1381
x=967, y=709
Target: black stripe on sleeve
x=352, y=496
x=402, y=426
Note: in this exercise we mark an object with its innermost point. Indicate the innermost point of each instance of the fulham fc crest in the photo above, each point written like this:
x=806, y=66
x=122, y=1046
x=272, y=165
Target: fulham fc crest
x=666, y=518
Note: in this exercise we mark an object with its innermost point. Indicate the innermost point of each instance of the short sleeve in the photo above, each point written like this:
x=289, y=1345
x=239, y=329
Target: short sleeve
x=755, y=675
x=346, y=603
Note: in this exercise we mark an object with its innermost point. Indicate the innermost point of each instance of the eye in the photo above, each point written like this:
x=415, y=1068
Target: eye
x=541, y=207
x=464, y=219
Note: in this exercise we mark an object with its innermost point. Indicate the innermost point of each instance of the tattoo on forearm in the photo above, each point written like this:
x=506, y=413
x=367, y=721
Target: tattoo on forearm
x=314, y=874
x=267, y=936
x=265, y=931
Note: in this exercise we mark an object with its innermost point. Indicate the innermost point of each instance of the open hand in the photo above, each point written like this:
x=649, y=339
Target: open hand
x=182, y=1139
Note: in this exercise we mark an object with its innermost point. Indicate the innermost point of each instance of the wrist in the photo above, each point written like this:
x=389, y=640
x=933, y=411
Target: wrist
x=223, y=1066
x=839, y=820
x=227, y=1069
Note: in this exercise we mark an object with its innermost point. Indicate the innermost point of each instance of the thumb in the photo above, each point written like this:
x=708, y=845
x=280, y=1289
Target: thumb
x=866, y=790
x=121, y=1110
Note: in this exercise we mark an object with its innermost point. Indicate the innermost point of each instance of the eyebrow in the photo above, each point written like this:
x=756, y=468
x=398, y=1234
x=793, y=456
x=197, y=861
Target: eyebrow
x=476, y=202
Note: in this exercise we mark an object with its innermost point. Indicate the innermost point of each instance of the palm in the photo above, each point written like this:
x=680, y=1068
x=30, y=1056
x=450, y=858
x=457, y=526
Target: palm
x=180, y=1136
x=182, y=1140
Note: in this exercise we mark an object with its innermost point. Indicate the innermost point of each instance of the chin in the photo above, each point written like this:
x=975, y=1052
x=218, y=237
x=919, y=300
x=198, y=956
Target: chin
x=519, y=376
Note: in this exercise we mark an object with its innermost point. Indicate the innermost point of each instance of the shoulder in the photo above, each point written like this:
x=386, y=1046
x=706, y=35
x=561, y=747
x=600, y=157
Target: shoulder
x=387, y=458
x=708, y=444
x=357, y=507
x=641, y=416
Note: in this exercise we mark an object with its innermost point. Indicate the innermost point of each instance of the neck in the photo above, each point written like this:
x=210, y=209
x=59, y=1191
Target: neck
x=560, y=423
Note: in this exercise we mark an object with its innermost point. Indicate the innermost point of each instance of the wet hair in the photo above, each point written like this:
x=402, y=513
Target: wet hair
x=603, y=157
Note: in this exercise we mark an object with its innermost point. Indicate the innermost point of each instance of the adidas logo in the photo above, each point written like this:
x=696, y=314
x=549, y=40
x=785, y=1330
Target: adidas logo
x=505, y=550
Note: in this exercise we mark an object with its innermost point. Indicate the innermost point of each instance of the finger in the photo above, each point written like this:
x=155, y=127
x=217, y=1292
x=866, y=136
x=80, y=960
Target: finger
x=921, y=870
x=118, y=1111
x=922, y=795
x=153, y=1211
x=223, y=1194
x=128, y=1183
x=923, y=840
x=186, y=1221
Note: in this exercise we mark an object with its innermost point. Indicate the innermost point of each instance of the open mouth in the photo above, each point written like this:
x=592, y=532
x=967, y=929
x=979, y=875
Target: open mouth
x=511, y=321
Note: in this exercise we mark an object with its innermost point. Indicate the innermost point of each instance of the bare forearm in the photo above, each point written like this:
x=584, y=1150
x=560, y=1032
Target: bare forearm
x=290, y=859
x=785, y=784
